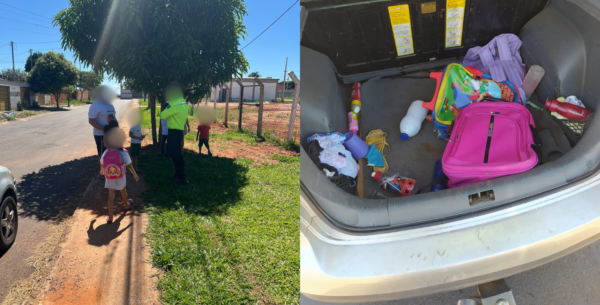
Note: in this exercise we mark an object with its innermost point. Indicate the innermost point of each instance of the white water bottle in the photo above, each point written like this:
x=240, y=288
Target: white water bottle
x=411, y=123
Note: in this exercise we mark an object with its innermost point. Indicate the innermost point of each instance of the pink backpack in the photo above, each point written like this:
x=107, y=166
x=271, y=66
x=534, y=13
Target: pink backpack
x=489, y=140
x=114, y=165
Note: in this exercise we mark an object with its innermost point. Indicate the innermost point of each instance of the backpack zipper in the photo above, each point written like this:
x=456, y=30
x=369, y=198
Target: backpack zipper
x=489, y=140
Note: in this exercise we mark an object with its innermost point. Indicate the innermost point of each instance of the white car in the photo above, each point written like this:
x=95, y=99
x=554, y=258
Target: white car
x=356, y=247
x=9, y=220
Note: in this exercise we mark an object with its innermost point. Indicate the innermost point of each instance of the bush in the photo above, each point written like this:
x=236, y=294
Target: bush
x=36, y=105
x=19, y=106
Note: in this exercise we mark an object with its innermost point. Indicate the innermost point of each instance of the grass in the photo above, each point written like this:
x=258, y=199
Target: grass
x=231, y=236
x=74, y=102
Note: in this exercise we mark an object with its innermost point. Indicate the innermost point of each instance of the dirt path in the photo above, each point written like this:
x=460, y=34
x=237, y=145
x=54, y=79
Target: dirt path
x=101, y=263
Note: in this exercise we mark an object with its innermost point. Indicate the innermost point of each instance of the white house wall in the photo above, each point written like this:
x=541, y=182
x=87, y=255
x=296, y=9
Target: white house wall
x=270, y=91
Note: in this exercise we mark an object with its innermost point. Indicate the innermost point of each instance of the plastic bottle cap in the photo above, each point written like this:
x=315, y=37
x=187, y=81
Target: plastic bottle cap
x=376, y=175
x=404, y=136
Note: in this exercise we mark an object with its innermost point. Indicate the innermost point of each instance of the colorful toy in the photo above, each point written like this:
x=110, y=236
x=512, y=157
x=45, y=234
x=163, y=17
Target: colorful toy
x=395, y=183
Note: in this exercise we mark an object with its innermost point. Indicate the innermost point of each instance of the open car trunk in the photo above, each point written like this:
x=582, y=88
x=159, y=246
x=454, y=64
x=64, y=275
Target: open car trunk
x=343, y=43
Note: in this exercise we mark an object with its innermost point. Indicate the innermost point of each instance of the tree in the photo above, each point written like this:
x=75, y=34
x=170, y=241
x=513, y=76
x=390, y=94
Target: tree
x=30, y=63
x=150, y=43
x=17, y=76
x=88, y=80
x=51, y=74
x=289, y=85
x=254, y=74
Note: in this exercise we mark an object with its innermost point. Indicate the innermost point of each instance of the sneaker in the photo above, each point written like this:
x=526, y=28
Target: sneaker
x=209, y=154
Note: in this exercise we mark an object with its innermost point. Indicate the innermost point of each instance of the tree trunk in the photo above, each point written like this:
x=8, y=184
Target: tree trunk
x=152, y=106
x=57, y=102
x=69, y=103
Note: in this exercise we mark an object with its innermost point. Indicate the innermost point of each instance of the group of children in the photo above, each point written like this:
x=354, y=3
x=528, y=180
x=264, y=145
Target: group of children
x=115, y=159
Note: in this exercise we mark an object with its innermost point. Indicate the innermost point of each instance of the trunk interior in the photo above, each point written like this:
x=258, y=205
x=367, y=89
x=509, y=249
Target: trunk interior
x=337, y=48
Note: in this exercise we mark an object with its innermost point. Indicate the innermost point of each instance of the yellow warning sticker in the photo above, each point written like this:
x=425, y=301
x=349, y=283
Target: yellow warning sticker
x=400, y=19
x=428, y=7
x=455, y=13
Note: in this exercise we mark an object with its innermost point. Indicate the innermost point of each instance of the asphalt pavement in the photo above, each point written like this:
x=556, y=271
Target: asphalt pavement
x=573, y=279
x=53, y=158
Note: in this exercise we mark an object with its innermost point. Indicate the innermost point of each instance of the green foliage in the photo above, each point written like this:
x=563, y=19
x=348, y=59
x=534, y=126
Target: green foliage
x=88, y=80
x=289, y=84
x=149, y=43
x=18, y=75
x=31, y=60
x=254, y=74
x=52, y=74
x=19, y=106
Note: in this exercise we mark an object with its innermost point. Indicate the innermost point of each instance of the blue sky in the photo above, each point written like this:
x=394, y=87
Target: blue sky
x=266, y=54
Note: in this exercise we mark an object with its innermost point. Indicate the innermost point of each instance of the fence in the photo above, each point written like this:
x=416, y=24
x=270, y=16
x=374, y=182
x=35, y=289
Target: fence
x=261, y=116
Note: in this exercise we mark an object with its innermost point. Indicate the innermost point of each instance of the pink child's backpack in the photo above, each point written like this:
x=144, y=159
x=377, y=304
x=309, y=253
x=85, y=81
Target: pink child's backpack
x=114, y=165
x=489, y=140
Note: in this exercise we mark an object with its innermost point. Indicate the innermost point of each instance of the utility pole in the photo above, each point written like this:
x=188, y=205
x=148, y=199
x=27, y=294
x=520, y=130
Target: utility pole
x=12, y=49
x=284, y=75
x=30, y=59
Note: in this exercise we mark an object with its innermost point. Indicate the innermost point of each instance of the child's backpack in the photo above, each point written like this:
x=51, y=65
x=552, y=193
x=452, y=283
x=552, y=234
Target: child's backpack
x=460, y=86
x=114, y=165
x=490, y=140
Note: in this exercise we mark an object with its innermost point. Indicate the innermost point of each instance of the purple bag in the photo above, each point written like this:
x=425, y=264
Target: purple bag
x=501, y=59
x=489, y=140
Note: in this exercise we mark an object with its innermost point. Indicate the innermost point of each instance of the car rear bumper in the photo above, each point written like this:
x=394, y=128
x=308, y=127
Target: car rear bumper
x=340, y=267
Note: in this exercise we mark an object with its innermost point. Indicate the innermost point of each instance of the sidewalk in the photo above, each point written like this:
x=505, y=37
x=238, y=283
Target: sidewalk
x=101, y=263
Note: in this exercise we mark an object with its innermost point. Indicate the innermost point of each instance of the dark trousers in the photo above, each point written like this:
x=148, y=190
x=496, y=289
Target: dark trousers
x=175, y=145
x=99, y=145
x=164, y=149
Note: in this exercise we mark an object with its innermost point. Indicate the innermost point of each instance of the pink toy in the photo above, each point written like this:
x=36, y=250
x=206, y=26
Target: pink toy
x=352, y=123
x=489, y=140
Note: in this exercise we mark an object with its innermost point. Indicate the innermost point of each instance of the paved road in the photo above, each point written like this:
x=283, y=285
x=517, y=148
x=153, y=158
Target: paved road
x=52, y=156
x=573, y=279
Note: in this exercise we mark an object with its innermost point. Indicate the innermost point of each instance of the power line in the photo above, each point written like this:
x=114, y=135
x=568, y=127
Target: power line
x=30, y=42
x=25, y=10
x=12, y=20
x=270, y=25
x=7, y=27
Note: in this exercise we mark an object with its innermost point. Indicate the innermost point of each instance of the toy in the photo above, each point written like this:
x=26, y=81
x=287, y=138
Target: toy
x=395, y=183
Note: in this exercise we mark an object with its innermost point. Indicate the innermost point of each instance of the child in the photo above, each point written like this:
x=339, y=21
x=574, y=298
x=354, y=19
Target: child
x=203, y=134
x=114, y=160
x=135, y=132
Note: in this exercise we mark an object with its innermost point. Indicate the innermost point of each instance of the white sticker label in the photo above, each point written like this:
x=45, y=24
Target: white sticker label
x=453, y=42
x=453, y=33
x=454, y=23
x=402, y=41
x=405, y=50
x=455, y=13
x=402, y=30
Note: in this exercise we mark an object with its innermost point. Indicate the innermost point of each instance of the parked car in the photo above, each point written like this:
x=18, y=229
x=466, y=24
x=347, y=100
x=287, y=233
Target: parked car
x=359, y=248
x=9, y=218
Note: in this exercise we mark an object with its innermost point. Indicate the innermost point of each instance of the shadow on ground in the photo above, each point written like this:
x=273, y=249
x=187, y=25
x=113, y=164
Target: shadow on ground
x=214, y=183
x=103, y=234
x=54, y=191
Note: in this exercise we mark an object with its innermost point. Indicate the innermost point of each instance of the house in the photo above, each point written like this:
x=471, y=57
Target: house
x=248, y=83
x=11, y=93
x=130, y=94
